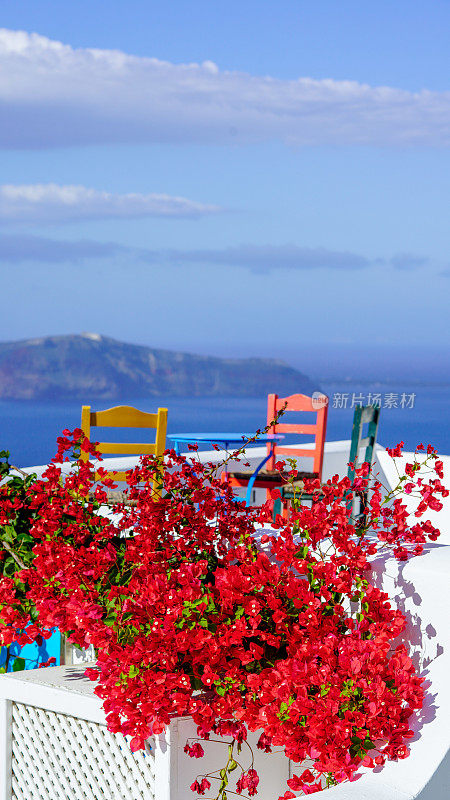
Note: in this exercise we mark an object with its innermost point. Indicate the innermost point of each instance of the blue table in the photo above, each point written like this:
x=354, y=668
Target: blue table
x=226, y=439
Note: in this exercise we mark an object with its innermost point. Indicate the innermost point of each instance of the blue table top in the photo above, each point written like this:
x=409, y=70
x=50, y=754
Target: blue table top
x=220, y=437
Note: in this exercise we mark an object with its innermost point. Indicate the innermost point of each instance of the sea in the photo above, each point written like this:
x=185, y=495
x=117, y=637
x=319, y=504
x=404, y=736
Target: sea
x=411, y=413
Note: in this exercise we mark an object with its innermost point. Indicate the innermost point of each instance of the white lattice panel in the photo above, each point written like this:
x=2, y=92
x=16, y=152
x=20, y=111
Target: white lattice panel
x=61, y=757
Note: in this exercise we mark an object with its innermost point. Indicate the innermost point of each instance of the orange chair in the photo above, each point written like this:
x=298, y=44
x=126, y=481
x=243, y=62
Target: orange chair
x=125, y=417
x=268, y=478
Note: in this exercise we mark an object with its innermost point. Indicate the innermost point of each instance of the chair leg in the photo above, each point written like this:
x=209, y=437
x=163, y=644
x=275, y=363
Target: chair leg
x=277, y=508
x=281, y=507
x=356, y=505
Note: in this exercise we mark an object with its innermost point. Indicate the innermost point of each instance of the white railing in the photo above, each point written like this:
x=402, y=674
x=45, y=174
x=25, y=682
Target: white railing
x=55, y=744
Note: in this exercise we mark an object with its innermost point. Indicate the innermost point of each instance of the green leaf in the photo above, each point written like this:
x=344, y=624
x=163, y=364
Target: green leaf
x=19, y=665
x=9, y=567
x=8, y=534
x=232, y=766
x=24, y=537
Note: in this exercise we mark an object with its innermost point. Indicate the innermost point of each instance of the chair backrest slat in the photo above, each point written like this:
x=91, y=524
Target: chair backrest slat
x=128, y=448
x=284, y=427
x=125, y=417
x=295, y=451
x=302, y=403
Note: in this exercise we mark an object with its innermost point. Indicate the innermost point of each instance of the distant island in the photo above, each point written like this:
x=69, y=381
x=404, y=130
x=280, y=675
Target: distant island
x=90, y=366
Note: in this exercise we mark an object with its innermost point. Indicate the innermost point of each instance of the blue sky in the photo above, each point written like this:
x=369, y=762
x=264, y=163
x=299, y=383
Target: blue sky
x=233, y=178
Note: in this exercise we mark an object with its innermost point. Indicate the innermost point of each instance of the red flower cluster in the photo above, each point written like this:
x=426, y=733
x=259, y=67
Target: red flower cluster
x=200, y=786
x=189, y=615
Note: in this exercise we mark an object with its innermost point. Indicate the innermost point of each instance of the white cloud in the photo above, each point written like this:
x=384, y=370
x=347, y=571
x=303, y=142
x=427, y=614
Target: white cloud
x=52, y=94
x=408, y=261
x=50, y=203
x=265, y=258
x=261, y=259
x=38, y=249
x=15, y=249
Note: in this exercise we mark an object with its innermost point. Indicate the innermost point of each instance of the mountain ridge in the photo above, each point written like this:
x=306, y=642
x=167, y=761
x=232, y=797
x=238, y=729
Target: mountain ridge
x=90, y=365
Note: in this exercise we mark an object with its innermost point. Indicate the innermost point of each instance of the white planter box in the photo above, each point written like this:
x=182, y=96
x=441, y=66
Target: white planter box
x=55, y=745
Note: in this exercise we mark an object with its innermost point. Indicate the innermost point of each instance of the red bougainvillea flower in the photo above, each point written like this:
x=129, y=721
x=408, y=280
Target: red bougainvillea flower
x=195, y=750
x=190, y=615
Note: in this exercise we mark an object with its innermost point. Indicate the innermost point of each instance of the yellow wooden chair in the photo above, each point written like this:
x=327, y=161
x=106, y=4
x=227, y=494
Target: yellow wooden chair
x=125, y=417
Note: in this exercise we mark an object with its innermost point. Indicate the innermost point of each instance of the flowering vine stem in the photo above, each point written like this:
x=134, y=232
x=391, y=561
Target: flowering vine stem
x=248, y=777
x=235, y=454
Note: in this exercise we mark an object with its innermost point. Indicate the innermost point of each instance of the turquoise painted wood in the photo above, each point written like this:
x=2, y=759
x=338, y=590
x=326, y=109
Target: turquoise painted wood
x=362, y=447
x=361, y=451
